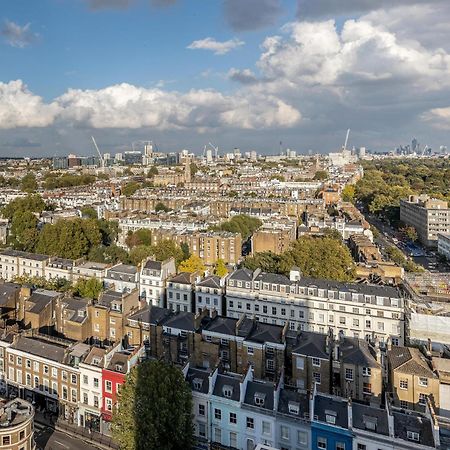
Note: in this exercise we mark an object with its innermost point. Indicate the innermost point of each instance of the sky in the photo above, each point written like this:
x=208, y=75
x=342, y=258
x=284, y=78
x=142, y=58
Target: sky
x=237, y=73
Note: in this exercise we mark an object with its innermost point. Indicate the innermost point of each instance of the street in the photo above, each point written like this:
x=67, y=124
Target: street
x=48, y=439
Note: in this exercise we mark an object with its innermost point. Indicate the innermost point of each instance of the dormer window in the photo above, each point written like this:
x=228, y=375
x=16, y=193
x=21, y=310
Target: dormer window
x=197, y=382
x=330, y=417
x=412, y=436
x=119, y=367
x=294, y=407
x=370, y=423
x=260, y=399
x=227, y=391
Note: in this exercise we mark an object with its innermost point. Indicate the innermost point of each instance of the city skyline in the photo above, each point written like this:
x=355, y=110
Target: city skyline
x=240, y=74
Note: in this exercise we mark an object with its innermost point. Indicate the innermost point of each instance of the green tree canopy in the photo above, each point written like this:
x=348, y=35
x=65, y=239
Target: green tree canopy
x=348, y=193
x=23, y=230
x=242, y=223
x=167, y=248
x=130, y=188
x=142, y=236
x=89, y=212
x=155, y=409
x=31, y=203
x=88, y=288
x=29, y=183
x=139, y=253
x=321, y=175
x=161, y=207
x=266, y=261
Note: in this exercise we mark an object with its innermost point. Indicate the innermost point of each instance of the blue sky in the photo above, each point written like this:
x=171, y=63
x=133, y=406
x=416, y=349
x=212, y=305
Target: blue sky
x=300, y=71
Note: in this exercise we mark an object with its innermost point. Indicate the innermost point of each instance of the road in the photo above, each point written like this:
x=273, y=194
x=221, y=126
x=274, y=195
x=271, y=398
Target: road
x=48, y=439
x=429, y=262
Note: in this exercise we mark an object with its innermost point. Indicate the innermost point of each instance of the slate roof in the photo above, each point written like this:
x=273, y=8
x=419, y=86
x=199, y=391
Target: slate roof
x=75, y=305
x=8, y=290
x=361, y=413
x=410, y=421
x=96, y=353
x=153, y=315
x=409, y=360
x=357, y=351
x=119, y=362
x=153, y=265
x=293, y=396
x=260, y=388
x=212, y=281
x=26, y=255
x=194, y=376
x=323, y=406
x=222, y=325
x=182, y=278
x=181, y=320
x=40, y=299
x=273, y=278
x=243, y=274
x=264, y=332
x=223, y=380
x=40, y=348
x=123, y=269
x=312, y=345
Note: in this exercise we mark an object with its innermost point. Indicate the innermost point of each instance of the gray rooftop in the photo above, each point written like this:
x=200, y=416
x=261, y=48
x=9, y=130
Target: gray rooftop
x=326, y=407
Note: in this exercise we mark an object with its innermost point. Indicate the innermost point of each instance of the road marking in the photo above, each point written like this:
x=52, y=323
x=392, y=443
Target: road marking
x=60, y=443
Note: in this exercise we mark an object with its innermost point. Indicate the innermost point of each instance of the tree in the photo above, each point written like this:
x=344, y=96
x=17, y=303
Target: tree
x=266, y=261
x=193, y=264
x=167, y=248
x=142, y=236
x=130, y=188
x=348, y=193
x=241, y=223
x=220, y=269
x=185, y=249
x=319, y=257
x=88, y=288
x=155, y=409
x=89, y=212
x=152, y=172
x=28, y=183
x=411, y=233
x=321, y=175
x=31, y=203
x=139, y=253
x=161, y=207
x=24, y=230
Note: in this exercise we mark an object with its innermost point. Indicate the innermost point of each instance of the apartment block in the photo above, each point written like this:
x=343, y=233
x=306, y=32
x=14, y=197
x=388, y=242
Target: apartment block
x=274, y=236
x=429, y=216
x=210, y=294
x=358, y=310
x=444, y=245
x=180, y=291
x=122, y=278
x=14, y=263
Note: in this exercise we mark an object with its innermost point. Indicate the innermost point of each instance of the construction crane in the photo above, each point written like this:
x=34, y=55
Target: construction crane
x=216, y=150
x=346, y=140
x=102, y=161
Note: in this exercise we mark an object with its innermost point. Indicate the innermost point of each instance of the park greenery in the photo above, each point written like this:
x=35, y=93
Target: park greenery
x=386, y=181
x=317, y=257
x=56, y=181
x=242, y=223
x=154, y=409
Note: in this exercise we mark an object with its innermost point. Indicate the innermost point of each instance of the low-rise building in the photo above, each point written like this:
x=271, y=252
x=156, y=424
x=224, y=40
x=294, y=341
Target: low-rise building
x=180, y=291
x=16, y=425
x=122, y=278
x=153, y=279
x=209, y=294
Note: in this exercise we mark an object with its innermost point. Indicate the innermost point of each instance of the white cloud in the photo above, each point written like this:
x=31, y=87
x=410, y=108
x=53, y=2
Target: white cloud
x=18, y=36
x=219, y=48
x=21, y=108
x=438, y=118
x=131, y=107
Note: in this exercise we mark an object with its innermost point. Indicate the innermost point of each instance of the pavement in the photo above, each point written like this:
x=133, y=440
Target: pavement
x=48, y=439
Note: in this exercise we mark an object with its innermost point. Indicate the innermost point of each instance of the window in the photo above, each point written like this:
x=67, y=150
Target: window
x=233, y=418
x=412, y=436
x=218, y=435
x=403, y=404
x=349, y=374
x=316, y=362
x=46, y=370
x=330, y=418
x=85, y=398
x=73, y=395
x=250, y=350
x=250, y=423
x=422, y=399
x=108, y=404
x=65, y=394
x=96, y=401
x=367, y=371
x=362, y=447
x=108, y=386
x=96, y=382
x=316, y=377
x=250, y=444
x=266, y=427
x=340, y=446
x=28, y=364
x=36, y=366
x=356, y=322
x=19, y=360
x=302, y=437
x=85, y=379
x=403, y=384
x=201, y=429
x=321, y=443
x=217, y=414
x=367, y=389
x=284, y=433
x=423, y=381
x=342, y=320
x=54, y=372
x=201, y=410
x=233, y=439
x=6, y=440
